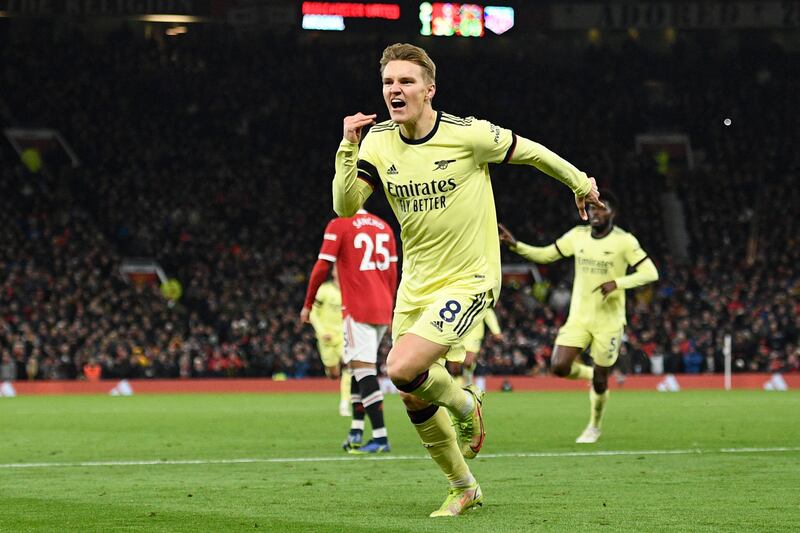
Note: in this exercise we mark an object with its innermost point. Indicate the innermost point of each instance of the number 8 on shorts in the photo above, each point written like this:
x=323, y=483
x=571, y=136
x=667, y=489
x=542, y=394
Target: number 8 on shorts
x=450, y=310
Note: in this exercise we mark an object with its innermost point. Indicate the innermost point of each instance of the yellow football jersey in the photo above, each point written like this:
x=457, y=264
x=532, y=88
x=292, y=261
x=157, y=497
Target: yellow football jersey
x=440, y=190
x=598, y=261
x=326, y=313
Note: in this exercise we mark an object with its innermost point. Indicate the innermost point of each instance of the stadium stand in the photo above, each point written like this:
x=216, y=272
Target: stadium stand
x=207, y=159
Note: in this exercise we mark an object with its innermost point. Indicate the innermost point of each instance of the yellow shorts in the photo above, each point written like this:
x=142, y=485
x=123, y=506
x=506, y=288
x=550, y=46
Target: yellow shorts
x=603, y=343
x=331, y=354
x=447, y=321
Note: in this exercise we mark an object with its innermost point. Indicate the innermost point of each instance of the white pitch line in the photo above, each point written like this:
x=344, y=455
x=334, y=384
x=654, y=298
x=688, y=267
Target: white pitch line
x=598, y=453
x=757, y=450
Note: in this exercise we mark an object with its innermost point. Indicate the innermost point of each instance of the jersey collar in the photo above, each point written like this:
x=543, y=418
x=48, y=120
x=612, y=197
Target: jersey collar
x=427, y=137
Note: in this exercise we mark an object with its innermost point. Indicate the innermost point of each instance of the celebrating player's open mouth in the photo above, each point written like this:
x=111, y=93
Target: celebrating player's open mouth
x=398, y=109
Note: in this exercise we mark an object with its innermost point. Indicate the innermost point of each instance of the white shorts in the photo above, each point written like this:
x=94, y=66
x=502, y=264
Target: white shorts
x=361, y=341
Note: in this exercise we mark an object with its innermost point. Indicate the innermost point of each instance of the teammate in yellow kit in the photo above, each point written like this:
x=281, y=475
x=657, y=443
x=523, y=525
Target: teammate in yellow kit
x=464, y=372
x=433, y=168
x=603, y=252
x=326, y=319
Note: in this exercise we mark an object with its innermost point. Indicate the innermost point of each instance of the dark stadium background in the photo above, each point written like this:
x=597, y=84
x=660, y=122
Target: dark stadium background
x=206, y=148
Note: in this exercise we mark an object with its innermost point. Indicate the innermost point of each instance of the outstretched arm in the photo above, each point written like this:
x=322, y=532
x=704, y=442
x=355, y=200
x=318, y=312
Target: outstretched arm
x=538, y=254
x=350, y=192
x=528, y=152
x=535, y=254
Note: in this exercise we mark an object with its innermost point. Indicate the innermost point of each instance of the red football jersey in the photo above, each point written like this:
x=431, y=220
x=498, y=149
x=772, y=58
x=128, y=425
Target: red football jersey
x=364, y=251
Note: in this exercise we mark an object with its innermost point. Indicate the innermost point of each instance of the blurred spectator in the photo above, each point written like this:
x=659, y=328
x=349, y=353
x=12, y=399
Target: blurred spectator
x=8, y=368
x=92, y=371
x=190, y=157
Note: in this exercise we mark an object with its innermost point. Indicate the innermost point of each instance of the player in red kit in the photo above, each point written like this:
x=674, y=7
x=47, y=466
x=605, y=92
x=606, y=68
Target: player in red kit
x=364, y=251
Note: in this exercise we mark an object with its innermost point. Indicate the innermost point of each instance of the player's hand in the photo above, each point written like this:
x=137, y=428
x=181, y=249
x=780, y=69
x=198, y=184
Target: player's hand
x=354, y=125
x=506, y=236
x=304, y=314
x=606, y=288
x=593, y=198
x=499, y=337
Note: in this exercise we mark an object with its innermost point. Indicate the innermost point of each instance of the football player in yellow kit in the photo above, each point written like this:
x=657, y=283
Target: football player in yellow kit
x=434, y=170
x=603, y=253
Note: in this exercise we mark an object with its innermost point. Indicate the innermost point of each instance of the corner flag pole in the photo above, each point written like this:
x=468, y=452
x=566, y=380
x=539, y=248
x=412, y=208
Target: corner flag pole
x=726, y=352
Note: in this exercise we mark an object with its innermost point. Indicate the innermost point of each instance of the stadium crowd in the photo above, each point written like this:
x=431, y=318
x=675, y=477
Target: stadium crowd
x=215, y=161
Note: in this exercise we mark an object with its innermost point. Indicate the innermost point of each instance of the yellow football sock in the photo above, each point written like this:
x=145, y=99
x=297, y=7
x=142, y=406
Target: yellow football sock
x=580, y=371
x=344, y=386
x=468, y=373
x=598, y=402
x=440, y=389
x=439, y=438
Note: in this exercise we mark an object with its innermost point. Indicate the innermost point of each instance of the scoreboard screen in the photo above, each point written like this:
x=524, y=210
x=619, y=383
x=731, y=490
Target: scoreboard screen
x=464, y=20
x=445, y=19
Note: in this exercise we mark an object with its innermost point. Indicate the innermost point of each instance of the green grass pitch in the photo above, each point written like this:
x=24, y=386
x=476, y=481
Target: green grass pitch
x=691, y=461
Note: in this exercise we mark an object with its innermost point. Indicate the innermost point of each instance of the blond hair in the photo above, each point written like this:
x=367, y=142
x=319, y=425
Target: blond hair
x=414, y=54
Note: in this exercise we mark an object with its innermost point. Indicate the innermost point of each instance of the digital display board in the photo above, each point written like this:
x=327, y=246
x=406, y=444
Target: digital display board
x=332, y=15
x=498, y=19
x=447, y=19
x=353, y=10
